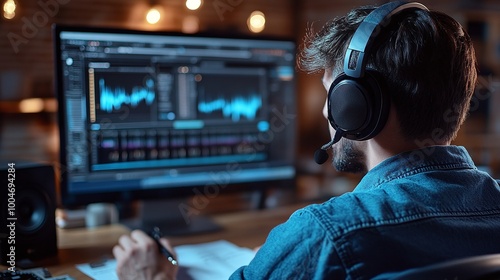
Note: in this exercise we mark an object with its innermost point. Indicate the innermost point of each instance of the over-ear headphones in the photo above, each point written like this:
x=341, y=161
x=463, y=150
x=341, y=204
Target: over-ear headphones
x=358, y=102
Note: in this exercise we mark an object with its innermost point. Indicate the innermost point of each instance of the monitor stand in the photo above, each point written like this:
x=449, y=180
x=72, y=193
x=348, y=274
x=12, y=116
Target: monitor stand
x=174, y=217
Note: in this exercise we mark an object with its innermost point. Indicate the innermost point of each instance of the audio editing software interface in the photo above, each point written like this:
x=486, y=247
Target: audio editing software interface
x=152, y=110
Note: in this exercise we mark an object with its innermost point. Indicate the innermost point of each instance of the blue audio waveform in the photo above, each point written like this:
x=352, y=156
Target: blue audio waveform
x=113, y=99
x=235, y=108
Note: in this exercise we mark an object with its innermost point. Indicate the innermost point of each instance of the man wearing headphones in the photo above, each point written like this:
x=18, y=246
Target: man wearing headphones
x=399, y=80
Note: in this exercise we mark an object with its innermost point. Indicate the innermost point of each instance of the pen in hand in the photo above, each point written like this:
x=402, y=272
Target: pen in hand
x=156, y=235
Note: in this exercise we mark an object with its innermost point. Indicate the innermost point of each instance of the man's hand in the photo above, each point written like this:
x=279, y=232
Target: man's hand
x=138, y=258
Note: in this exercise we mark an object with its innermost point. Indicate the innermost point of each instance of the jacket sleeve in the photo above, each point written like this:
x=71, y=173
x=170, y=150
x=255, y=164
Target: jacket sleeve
x=301, y=248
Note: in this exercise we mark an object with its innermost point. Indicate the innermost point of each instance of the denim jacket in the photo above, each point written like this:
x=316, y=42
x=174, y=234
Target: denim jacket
x=413, y=209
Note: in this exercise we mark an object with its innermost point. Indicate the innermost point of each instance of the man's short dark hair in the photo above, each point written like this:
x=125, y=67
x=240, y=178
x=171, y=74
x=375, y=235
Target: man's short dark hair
x=426, y=58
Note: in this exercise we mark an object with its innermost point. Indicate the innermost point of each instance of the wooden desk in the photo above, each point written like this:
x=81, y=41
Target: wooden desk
x=246, y=229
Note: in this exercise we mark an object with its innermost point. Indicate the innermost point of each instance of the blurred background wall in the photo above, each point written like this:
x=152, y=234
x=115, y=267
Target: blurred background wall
x=28, y=129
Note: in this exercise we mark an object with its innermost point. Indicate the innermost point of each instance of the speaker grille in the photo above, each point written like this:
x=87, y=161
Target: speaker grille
x=35, y=205
x=32, y=210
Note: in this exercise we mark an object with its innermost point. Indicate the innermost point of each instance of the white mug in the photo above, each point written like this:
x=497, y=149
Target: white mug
x=98, y=214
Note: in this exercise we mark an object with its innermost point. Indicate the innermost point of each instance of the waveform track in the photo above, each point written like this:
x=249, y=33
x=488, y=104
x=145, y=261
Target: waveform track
x=113, y=99
x=235, y=108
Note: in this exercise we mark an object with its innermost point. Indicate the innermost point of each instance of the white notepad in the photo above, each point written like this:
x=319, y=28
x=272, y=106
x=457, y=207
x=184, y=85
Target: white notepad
x=212, y=260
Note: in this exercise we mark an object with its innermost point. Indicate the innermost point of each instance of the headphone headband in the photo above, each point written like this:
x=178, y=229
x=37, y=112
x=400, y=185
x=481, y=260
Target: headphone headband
x=354, y=60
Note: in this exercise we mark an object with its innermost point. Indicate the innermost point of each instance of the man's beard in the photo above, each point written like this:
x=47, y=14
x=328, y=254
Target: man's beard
x=348, y=158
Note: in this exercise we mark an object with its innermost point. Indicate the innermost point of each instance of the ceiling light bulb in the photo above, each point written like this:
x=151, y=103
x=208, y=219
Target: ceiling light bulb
x=9, y=9
x=193, y=4
x=256, y=21
x=153, y=16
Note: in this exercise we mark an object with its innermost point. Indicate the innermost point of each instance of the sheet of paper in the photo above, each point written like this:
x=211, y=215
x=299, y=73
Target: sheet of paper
x=212, y=260
x=105, y=270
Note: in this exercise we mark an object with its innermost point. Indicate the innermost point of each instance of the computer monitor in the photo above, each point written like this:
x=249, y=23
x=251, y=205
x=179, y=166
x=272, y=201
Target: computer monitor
x=147, y=115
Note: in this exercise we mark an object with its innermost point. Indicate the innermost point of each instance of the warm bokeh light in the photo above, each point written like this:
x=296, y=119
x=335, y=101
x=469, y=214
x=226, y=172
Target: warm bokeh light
x=153, y=16
x=31, y=105
x=50, y=105
x=190, y=24
x=256, y=21
x=9, y=9
x=193, y=4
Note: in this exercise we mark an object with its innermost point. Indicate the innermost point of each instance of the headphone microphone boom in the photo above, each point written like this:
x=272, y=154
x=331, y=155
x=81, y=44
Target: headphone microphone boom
x=320, y=156
x=358, y=102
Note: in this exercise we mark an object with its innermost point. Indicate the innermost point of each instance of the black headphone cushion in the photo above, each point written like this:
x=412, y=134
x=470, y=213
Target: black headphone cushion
x=358, y=107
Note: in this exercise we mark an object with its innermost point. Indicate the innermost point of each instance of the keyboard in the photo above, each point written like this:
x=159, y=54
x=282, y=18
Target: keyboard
x=31, y=274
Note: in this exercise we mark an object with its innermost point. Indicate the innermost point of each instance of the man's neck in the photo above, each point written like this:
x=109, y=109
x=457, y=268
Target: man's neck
x=378, y=151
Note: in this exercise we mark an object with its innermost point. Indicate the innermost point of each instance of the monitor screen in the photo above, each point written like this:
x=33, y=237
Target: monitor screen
x=155, y=114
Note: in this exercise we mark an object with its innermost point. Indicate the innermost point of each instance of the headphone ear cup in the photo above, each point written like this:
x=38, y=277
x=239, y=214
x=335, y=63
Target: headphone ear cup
x=358, y=108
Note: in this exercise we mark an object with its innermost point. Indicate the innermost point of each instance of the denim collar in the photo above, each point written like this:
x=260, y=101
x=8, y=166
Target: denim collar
x=416, y=161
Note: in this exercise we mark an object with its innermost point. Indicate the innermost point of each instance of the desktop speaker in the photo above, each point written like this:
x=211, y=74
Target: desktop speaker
x=28, y=231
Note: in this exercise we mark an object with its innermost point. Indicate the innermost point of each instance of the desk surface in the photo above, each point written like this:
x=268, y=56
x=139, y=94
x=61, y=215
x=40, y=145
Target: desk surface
x=246, y=229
